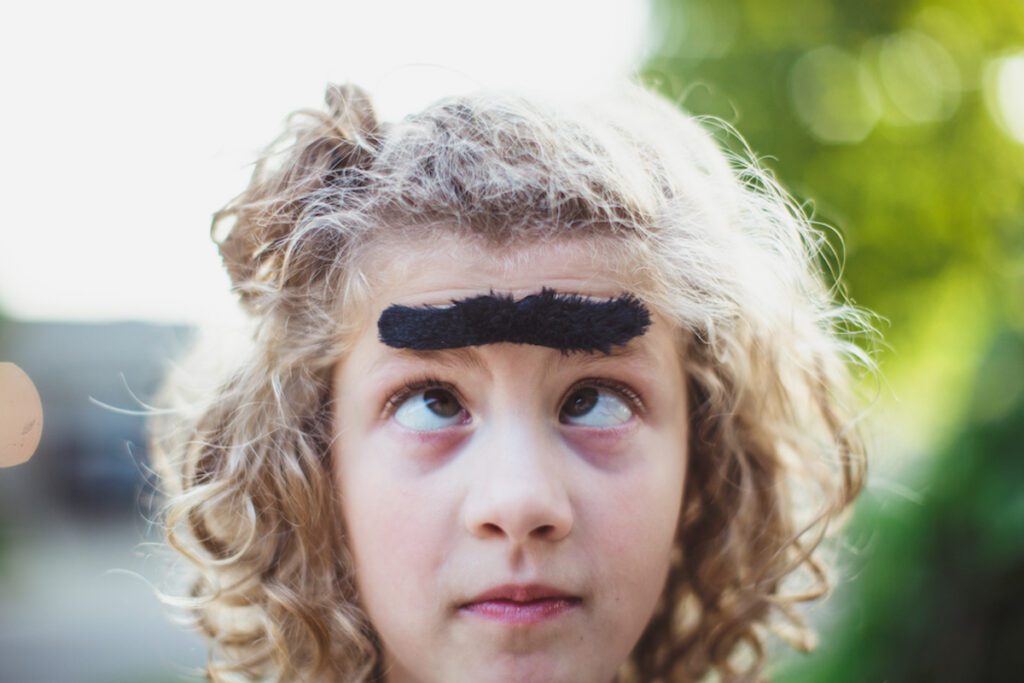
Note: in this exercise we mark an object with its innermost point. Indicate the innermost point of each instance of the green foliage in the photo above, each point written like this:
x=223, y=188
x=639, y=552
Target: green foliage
x=882, y=113
x=901, y=123
x=939, y=595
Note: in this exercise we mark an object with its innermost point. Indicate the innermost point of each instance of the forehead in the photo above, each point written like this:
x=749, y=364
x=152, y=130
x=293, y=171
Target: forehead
x=436, y=272
x=449, y=267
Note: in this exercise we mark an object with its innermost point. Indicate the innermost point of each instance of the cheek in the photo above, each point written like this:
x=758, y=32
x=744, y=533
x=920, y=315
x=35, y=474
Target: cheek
x=634, y=519
x=396, y=526
x=639, y=518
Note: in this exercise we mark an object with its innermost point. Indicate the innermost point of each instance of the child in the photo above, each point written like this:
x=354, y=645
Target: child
x=533, y=393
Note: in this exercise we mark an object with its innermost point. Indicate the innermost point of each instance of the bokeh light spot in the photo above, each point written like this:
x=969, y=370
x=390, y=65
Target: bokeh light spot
x=834, y=95
x=697, y=30
x=1006, y=93
x=919, y=77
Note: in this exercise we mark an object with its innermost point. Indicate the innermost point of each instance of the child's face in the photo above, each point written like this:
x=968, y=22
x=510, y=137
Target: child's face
x=508, y=465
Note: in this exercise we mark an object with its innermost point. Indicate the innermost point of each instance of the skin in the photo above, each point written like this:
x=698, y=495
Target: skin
x=513, y=484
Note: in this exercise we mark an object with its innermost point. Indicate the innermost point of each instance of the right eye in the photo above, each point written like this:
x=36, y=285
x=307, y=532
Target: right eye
x=426, y=410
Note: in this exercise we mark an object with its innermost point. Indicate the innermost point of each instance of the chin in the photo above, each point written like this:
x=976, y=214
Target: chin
x=536, y=668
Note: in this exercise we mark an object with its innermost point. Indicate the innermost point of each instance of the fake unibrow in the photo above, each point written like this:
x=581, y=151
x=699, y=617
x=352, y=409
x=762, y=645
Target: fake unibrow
x=567, y=322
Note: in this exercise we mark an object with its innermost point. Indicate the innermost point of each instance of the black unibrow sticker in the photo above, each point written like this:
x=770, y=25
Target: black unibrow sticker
x=567, y=322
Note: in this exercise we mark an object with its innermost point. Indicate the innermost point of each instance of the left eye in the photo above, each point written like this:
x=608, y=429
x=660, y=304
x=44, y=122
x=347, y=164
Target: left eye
x=429, y=409
x=595, y=407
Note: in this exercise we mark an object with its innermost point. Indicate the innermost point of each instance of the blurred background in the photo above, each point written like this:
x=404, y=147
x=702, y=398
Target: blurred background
x=898, y=123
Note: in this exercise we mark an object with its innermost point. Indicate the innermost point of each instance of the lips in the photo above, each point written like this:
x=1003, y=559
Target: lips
x=521, y=604
x=522, y=593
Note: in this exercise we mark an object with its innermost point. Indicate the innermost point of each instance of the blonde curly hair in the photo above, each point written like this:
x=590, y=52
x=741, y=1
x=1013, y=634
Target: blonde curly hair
x=724, y=253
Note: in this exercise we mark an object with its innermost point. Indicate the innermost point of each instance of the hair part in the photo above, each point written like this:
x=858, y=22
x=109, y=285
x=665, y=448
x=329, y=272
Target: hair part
x=709, y=239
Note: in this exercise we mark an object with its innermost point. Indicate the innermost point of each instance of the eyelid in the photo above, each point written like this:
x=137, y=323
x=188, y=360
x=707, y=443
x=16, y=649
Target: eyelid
x=633, y=398
x=407, y=389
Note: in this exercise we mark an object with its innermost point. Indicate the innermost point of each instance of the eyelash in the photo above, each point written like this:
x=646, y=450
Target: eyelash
x=410, y=388
x=634, y=399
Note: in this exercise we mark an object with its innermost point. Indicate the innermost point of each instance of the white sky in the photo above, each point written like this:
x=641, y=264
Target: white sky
x=125, y=125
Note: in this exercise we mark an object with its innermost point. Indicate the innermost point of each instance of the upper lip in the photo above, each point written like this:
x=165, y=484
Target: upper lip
x=520, y=592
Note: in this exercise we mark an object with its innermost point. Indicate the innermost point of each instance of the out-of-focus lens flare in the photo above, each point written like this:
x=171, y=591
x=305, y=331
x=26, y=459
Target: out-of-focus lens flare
x=1006, y=96
x=834, y=95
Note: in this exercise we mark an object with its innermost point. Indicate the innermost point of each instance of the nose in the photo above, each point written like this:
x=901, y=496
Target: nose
x=517, y=490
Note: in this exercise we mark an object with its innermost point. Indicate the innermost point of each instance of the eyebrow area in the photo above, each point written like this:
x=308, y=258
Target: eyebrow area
x=567, y=322
x=467, y=358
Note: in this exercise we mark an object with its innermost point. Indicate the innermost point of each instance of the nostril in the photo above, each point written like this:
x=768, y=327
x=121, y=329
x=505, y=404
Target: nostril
x=531, y=510
x=493, y=529
x=544, y=531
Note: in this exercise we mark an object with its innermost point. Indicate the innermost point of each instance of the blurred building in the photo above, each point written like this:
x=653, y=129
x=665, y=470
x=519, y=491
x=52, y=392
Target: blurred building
x=80, y=559
x=91, y=460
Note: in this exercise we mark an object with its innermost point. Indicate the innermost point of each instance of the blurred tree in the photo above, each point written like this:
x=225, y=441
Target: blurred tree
x=939, y=597
x=901, y=123
x=898, y=120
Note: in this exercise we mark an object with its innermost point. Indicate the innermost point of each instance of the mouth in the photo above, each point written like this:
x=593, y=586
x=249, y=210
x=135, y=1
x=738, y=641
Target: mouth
x=518, y=604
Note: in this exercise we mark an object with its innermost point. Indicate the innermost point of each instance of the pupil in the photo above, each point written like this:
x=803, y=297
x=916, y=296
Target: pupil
x=581, y=402
x=441, y=403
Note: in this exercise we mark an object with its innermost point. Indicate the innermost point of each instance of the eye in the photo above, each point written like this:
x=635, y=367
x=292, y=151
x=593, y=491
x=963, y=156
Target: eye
x=425, y=410
x=596, y=406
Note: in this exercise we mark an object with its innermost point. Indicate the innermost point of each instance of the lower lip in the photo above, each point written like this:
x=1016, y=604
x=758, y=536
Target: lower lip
x=509, y=612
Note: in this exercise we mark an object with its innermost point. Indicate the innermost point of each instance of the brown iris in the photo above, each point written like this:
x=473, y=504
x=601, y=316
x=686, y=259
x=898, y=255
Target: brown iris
x=580, y=402
x=441, y=402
